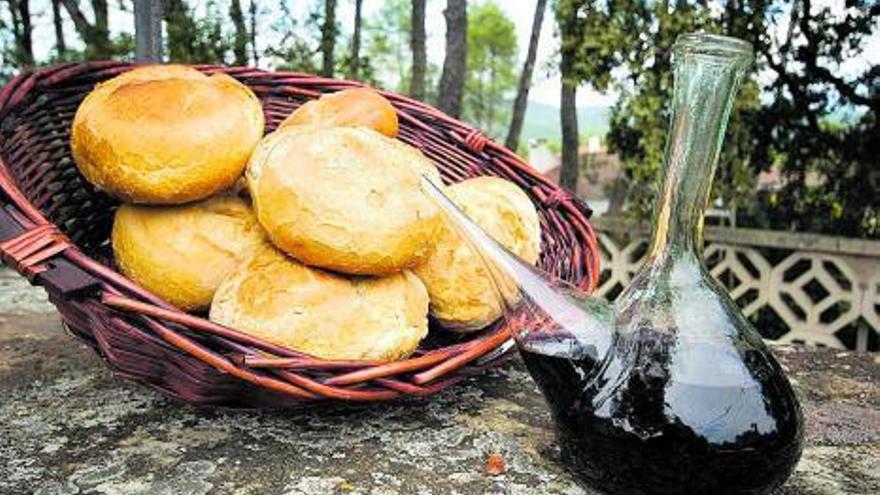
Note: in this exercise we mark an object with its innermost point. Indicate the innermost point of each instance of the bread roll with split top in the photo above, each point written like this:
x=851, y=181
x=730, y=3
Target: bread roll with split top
x=462, y=295
x=325, y=314
x=182, y=253
x=356, y=107
x=166, y=134
x=346, y=199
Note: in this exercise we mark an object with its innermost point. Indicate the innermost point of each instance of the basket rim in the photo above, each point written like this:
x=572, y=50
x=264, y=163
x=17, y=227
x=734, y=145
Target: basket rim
x=37, y=249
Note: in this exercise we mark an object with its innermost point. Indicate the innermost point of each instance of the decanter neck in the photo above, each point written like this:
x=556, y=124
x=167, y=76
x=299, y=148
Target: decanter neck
x=708, y=70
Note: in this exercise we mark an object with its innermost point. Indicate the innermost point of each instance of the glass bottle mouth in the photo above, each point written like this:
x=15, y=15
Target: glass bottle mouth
x=713, y=46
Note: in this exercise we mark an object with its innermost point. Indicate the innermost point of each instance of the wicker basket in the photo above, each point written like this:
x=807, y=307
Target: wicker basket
x=54, y=229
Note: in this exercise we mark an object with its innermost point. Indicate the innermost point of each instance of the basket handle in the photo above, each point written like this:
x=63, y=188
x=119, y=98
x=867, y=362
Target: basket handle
x=37, y=253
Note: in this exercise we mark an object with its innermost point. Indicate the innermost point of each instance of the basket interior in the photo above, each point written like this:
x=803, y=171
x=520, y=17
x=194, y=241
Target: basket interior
x=34, y=145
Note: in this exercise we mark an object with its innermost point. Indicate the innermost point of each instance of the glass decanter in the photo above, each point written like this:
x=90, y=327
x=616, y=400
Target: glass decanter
x=671, y=389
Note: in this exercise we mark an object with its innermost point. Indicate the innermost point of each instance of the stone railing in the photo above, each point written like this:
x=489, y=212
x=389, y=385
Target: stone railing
x=795, y=287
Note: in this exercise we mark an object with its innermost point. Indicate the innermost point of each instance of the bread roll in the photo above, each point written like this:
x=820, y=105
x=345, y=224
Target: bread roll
x=343, y=198
x=182, y=253
x=462, y=295
x=166, y=134
x=321, y=313
x=357, y=107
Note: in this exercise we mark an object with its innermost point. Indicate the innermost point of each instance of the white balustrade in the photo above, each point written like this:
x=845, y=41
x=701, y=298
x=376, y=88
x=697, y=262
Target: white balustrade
x=796, y=287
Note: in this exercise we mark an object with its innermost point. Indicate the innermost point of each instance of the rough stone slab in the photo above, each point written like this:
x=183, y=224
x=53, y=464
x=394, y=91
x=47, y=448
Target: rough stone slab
x=17, y=296
x=68, y=426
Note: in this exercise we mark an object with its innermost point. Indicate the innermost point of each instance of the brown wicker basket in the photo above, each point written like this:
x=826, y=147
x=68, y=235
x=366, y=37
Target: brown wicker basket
x=54, y=229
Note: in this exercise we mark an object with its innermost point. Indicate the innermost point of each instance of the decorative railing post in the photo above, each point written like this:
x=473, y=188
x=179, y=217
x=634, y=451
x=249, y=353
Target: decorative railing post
x=148, y=30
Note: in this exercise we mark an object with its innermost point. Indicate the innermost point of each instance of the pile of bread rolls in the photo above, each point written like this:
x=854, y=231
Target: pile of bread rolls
x=316, y=237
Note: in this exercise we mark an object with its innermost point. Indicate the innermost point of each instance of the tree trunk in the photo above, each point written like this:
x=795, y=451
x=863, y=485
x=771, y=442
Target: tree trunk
x=568, y=175
x=16, y=22
x=99, y=7
x=79, y=20
x=96, y=36
x=520, y=104
x=22, y=29
x=419, y=55
x=101, y=36
x=239, y=47
x=27, y=47
x=451, y=86
x=24, y=42
x=16, y=28
x=58, y=23
x=354, y=64
x=570, y=169
x=328, y=38
x=148, y=45
x=253, y=18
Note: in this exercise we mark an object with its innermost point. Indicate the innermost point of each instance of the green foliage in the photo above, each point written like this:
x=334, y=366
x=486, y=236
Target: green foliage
x=801, y=127
x=640, y=119
x=522, y=149
x=387, y=57
x=10, y=56
x=118, y=47
x=600, y=35
x=387, y=61
x=366, y=73
x=240, y=42
x=121, y=47
x=297, y=48
x=784, y=119
x=10, y=51
x=554, y=145
x=491, y=62
x=387, y=44
x=192, y=38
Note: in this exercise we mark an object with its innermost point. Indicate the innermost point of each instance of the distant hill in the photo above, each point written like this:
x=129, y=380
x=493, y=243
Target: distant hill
x=542, y=121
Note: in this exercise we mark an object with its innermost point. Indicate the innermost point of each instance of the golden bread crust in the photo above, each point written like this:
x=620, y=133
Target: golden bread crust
x=356, y=107
x=346, y=199
x=166, y=134
x=462, y=295
x=182, y=253
x=321, y=313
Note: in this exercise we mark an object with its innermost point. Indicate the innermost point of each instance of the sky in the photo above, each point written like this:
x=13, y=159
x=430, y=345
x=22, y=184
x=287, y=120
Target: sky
x=545, y=88
x=545, y=83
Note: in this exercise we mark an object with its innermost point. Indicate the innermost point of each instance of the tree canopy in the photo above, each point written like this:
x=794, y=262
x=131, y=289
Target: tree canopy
x=805, y=113
x=491, y=59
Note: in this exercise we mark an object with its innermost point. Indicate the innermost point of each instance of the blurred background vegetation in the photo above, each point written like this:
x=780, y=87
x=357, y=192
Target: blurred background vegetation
x=801, y=151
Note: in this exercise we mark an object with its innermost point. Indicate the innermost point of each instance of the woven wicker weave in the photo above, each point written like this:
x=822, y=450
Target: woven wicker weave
x=54, y=229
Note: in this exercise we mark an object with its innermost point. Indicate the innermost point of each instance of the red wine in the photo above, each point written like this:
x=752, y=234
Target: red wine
x=653, y=421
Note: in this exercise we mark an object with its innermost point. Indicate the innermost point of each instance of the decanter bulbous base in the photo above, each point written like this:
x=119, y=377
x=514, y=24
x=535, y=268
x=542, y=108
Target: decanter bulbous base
x=688, y=400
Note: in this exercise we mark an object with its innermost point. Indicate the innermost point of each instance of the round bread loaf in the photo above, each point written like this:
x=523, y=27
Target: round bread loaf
x=182, y=253
x=321, y=313
x=344, y=198
x=356, y=107
x=166, y=134
x=462, y=295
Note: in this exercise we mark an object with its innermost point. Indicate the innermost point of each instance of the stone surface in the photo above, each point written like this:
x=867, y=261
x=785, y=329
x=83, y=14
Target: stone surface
x=67, y=426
